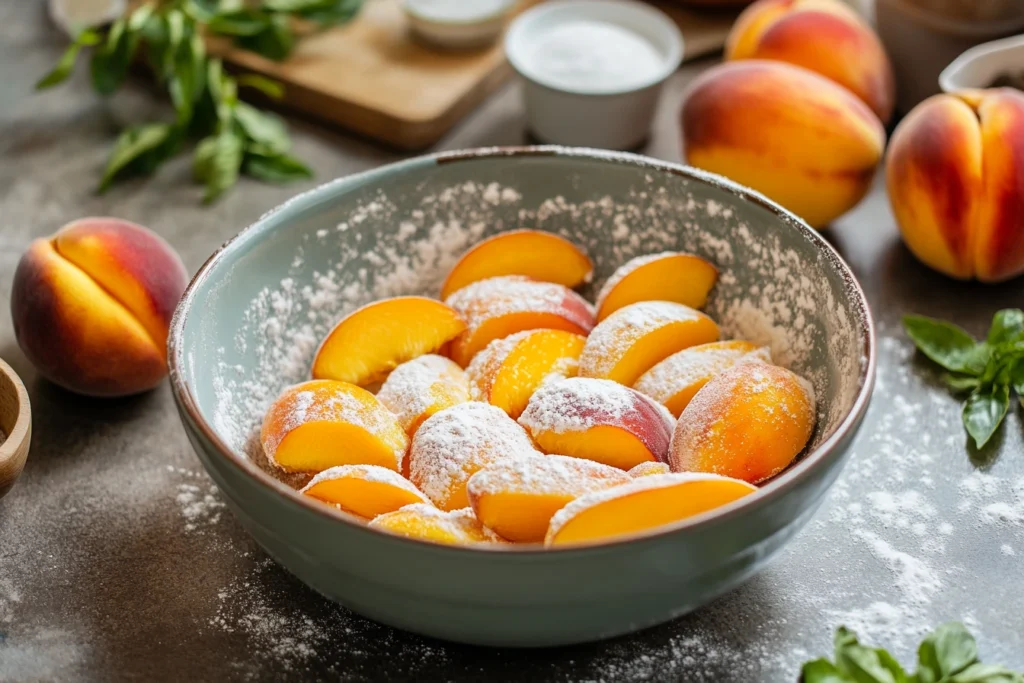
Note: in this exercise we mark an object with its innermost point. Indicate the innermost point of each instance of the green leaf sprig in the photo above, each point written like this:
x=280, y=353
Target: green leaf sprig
x=948, y=655
x=232, y=137
x=987, y=369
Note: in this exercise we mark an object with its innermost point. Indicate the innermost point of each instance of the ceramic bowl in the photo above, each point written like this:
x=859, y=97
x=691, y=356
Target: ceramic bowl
x=601, y=117
x=979, y=66
x=472, y=27
x=15, y=425
x=249, y=323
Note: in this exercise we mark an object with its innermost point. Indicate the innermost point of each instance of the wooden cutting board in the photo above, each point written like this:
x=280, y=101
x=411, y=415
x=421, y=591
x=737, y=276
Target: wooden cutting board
x=369, y=76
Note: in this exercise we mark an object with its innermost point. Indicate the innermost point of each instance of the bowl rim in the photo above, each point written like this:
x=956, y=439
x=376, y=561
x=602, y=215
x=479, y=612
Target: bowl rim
x=15, y=446
x=514, y=44
x=773, y=490
x=951, y=77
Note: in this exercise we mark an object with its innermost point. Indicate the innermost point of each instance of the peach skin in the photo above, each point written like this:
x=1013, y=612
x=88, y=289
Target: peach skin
x=509, y=370
x=669, y=276
x=633, y=339
x=363, y=490
x=801, y=139
x=642, y=504
x=427, y=523
x=538, y=255
x=517, y=499
x=676, y=380
x=750, y=422
x=824, y=36
x=953, y=175
x=500, y=306
x=599, y=420
x=322, y=424
x=372, y=341
x=92, y=306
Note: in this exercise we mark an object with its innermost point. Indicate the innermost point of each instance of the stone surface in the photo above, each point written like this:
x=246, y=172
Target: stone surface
x=118, y=561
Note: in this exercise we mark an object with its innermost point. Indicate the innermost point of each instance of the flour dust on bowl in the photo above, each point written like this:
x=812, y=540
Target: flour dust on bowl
x=250, y=322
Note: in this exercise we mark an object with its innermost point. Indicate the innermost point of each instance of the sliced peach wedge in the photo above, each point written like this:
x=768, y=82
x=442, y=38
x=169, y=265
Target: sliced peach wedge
x=427, y=523
x=676, y=380
x=363, y=490
x=538, y=255
x=516, y=499
x=668, y=276
x=418, y=388
x=599, y=420
x=372, y=341
x=321, y=424
x=633, y=339
x=642, y=504
x=501, y=306
x=509, y=370
x=646, y=469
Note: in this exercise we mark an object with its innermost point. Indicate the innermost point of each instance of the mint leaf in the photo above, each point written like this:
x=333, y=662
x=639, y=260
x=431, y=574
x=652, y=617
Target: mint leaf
x=62, y=71
x=961, y=382
x=983, y=412
x=946, y=344
x=1007, y=326
x=987, y=673
x=338, y=11
x=109, y=65
x=263, y=128
x=275, y=41
x=217, y=163
x=276, y=169
x=139, y=148
x=863, y=664
x=268, y=87
x=954, y=647
x=240, y=23
x=821, y=671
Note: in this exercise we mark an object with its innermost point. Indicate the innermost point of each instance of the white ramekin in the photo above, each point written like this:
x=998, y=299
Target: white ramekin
x=474, y=32
x=578, y=117
x=979, y=66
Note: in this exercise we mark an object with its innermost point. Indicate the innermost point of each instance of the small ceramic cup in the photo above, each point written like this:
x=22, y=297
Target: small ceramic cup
x=588, y=116
x=16, y=425
x=981, y=65
x=473, y=25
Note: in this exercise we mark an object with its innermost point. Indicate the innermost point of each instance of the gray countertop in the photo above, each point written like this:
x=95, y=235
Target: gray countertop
x=118, y=560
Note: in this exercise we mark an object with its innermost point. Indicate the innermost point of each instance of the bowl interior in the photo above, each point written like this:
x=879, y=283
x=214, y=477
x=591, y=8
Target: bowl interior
x=980, y=65
x=252, y=319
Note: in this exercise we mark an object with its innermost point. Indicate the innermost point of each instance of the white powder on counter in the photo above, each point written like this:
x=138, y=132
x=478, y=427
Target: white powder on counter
x=589, y=56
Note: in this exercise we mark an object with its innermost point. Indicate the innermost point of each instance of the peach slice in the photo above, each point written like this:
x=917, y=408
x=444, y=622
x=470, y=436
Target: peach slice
x=363, y=490
x=535, y=254
x=321, y=424
x=418, y=388
x=509, y=370
x=454, y=444
x=642, y=504
x=517, y=499
x=373, y=340
x=633, y=339
x=501, y=306
x=750, y=422
x=668, y=276
x=646, y=469
x=675, y=381
x=426, y=522
x=599, y=420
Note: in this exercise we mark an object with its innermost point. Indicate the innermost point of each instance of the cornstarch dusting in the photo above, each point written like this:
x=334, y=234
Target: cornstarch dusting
x=593, y=56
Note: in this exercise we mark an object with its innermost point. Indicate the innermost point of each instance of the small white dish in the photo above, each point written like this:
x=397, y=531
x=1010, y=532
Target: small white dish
x=73, y=16
x=614, y=114
x=457, y=24
x=979, y=66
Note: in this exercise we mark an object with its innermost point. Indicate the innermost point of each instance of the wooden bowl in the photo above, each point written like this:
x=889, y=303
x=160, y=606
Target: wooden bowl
x=16, y=424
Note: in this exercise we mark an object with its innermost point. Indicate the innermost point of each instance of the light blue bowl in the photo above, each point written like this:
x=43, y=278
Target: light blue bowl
x=250, y=320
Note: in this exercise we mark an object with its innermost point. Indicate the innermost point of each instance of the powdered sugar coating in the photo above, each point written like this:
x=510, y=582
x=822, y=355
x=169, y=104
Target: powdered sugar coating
x=551, y=475
x=371, y=473
x=330, y=401
x=452, y=445
x=654, y=481
x=484, y=366
x=647, y=469
x=497, y=296
x=692, y=365
x=421, y=387
x=625, y=269
x=615, y=335
x=426, y=521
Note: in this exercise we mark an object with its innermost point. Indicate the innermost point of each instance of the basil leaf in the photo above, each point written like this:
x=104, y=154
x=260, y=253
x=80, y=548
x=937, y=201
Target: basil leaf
x=984, y=410
x=821, y=671
x=295, y=5
x=987, y=673
x=276, y=169
x=242, y=22
x=108, y=66
x=188, y=80
x=961, y=382
x=202, y=10
x=1007, y=326
x=863, y=664
x=276, y=41
x=946, y=344
x=139, y=148
x=217, y=163
x=268, y=87
x=340, y=12
x=62, y=71
x=263, y=128
x=955, y=648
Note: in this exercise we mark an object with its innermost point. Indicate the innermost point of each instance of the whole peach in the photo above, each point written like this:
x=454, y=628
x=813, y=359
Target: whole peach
x=799, y=138
x=92, y=306
x=955, y=175
x=825, y=36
